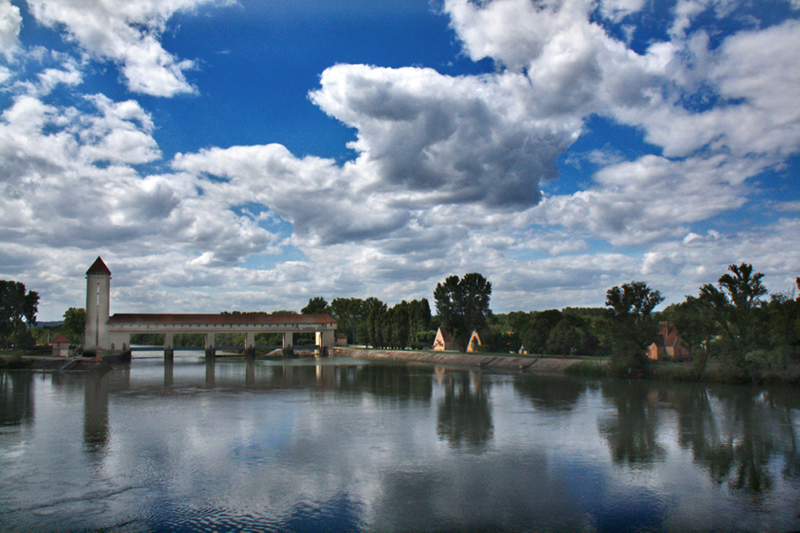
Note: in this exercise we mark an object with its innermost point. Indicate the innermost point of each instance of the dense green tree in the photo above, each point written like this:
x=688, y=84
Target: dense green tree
x=74, y=326
x=420, y=316
x=695, y=321
x=17, y=313
x=352, y=316
x=348, y=313
x=376, y=326
x=738, y=313
x=535, y=339
x=783, y=317
x=463, y=305
x=567, y=337
x=633, y=327
x=595, y=326
x=316, y=306
x=399, y=327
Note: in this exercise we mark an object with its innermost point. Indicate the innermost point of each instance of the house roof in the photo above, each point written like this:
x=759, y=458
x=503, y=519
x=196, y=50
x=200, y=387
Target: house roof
x=98, y=267
x=61, y=339
x=238, y=318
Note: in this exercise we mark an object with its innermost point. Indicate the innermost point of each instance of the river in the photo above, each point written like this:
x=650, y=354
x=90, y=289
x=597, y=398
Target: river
x=354, y=445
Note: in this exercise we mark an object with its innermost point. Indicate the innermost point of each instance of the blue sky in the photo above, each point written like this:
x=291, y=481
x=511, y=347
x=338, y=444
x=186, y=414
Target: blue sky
x=250, y=155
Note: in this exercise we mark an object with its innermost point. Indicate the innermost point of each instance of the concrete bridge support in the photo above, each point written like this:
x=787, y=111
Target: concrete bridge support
x=211, y=350
x=250, y=344
x=169, y=344
x=288, y=344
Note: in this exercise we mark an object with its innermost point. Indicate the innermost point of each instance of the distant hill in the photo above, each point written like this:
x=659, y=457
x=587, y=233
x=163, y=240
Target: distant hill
x=52, y=324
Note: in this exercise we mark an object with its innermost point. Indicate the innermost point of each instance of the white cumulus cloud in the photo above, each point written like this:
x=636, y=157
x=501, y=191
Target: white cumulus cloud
x=128, y=33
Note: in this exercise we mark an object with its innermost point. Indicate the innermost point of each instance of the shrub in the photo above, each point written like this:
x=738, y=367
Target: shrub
x=586, y=368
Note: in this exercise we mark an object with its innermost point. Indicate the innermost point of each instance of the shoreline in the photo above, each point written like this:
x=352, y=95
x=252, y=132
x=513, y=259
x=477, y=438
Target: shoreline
x=491, y=362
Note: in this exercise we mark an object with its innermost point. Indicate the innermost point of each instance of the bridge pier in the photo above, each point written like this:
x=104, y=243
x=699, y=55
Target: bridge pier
x=250, y=344
x=288, y=342
x=168, y=344
x=211, y=352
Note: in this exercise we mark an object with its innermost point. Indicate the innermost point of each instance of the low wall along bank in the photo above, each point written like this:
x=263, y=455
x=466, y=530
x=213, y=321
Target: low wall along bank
x=497, y=362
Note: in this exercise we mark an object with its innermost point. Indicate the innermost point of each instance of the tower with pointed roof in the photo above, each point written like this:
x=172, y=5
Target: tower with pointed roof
x=98, y=294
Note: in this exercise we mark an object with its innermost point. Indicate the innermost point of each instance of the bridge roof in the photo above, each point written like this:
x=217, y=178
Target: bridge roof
x=244, y=318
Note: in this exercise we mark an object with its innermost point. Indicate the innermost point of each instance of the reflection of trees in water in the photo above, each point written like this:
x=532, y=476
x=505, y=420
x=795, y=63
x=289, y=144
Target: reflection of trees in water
x=400, y=382
x=16, y=397
x=784, y=401
x=744, y=442
x=730, y=433
x=464, y=413
x=699, y=430
x=733, y=432
x=551, y=392
x=632, y=433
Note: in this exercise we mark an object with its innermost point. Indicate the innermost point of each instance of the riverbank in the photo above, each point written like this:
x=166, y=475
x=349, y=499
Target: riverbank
x=17, y=360
x=488, y=361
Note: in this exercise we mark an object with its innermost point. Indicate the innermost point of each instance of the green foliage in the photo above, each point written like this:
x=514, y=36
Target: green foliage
x=348, y=313
x=13, y=361
x=188, y=340
x=316, y=306
x=74, y=326
x=535, y=339
x=586, y=368
x=400, y=326
x=500, y=342
x=695, y=320
x=567, y=337
x=463, y=305
x=42, y=336
x=147, y=339
x=632, y=326
x=17, y=313
x=738, y=314
x=424, y=339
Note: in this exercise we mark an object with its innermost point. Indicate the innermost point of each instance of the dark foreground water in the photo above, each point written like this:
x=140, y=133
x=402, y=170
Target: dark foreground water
x=349, y=445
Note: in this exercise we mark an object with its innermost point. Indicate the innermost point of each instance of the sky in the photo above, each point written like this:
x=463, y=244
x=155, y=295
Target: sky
x=249, y=155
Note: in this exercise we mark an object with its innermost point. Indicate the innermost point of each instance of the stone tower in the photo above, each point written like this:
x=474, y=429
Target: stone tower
x=98, y=289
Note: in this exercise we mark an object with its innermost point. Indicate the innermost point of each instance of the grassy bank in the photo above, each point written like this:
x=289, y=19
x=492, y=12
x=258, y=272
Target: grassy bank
x=584, y=366
x=13, y=359
x=714, y=373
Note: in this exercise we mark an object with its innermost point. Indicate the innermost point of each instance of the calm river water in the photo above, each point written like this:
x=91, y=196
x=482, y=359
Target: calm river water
x=351, y=445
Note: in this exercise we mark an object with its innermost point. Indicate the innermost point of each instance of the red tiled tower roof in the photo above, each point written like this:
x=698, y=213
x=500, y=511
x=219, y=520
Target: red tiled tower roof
x=98, y=267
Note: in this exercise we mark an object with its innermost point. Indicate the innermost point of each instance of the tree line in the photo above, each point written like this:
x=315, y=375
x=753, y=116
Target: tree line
x=733, y=322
